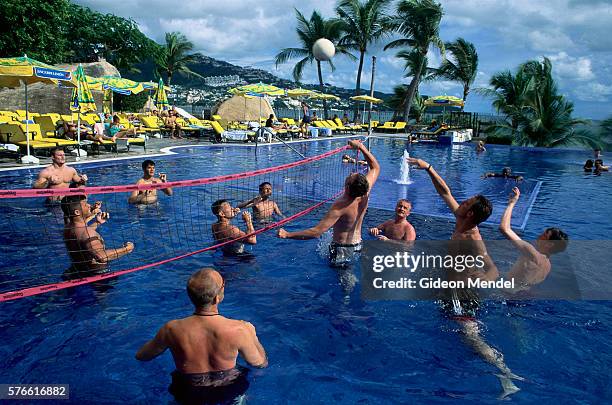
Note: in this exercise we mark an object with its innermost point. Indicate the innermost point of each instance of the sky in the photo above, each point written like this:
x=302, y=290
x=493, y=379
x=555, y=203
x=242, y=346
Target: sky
x=574, y=34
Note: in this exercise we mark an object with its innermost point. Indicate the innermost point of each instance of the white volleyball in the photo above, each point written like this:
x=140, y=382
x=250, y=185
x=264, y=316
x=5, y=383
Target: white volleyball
x=323, y=49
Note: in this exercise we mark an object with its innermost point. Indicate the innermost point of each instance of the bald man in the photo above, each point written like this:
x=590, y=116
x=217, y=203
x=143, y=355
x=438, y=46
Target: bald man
x=205, y=346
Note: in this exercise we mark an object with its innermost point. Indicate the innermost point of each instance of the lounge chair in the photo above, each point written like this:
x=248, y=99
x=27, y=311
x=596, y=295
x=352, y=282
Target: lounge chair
x=400, y=126
x=14, y=133
x=387, y=126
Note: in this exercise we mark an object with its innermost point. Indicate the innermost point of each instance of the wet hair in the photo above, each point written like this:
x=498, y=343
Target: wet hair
x=481, y=209
x=403, y=200
x=71, y=203
x=147, y=163
x=560, y=237
x=588, y=165
x=506, y=171
x=265, y=183
x=55, y=150
x=202, y=287
x=216, y=206
x=359, y=186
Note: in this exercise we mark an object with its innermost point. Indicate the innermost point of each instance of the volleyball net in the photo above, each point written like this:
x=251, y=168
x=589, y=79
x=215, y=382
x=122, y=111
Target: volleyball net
x=40, y=252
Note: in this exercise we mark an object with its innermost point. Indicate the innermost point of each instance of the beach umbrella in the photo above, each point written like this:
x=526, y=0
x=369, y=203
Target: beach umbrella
x=323, y=96
x=444, y=102
x=107, y=104
x=82, y=100
x=14, y=71
x=161, y=99
x=366, y=99
x=299, y=92
x=259, y=88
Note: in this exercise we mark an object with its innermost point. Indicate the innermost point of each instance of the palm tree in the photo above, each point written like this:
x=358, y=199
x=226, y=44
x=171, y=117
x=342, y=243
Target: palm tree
x=308, y=32
x=413, y=60
x=419, y=22
x=605, y=133
x=462, y=66
x=363, y=24
x=175, y=56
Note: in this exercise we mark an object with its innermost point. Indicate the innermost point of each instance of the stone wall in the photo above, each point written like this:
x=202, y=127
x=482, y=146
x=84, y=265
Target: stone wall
x=46, y=98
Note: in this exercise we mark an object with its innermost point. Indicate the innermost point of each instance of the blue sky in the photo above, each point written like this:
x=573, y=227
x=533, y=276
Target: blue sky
x=574, y=34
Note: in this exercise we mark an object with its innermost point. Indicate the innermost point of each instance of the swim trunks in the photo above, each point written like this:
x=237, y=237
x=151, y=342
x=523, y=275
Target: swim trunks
x=306, y=119
x=341, y=255
x=232, y=249
x=215, y=387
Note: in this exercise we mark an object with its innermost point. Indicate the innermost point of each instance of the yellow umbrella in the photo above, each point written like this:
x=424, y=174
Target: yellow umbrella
x=368, y=99
x=299, y=92
x=161, y=99
x=14, y=71
x=323, y=96
x=82, y=100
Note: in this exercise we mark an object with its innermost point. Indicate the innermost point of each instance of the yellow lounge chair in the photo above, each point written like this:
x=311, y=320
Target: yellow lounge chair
x=14, y=133
x=400, y=126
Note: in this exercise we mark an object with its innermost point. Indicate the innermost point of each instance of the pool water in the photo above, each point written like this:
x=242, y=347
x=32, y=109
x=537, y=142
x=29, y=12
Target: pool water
x=324, y=343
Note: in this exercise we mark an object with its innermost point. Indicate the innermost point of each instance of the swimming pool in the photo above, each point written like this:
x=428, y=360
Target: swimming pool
x=322, y=346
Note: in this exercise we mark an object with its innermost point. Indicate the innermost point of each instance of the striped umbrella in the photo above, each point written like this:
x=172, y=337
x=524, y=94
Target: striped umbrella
x=161, y=99
x=82, y=100
x=259, y=88
x=14, y=71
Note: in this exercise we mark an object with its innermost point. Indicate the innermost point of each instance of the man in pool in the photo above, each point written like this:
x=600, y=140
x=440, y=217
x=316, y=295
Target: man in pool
x=263, y=206
x=58, y=174
x=398, y=228
x=533, y=266
x=506, y=173
x=205, y=346
x=346, y=213
x=148, y=177
x=463, y=304
x=86, y=247
x=223, y=230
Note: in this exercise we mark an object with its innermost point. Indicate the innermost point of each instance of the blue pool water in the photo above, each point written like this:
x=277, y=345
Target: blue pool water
x=324, y=343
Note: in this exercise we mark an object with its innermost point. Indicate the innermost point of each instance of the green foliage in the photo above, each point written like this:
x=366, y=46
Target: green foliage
x=175, y=57
x=34, y=27
x=418, y=21
x=536, y=114
x=499, y=139
x=131, y=103
x=461, y=65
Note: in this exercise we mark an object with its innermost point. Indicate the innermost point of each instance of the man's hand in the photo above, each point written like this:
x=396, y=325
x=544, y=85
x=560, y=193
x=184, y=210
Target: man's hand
x=246, y=217
x=354, y=144
x=97, y=207
x=282, y=233
x=418, y=163
x=102, y=217
x=129, y=247
x=84, y=178
x=382, y=237
x=163, y=178
x=514, y=196
x=374, y=231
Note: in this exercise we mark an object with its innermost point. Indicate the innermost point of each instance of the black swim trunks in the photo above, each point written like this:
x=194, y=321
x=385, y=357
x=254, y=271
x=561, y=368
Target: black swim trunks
x=215, y=387
x=341, y=255
x=306, y=119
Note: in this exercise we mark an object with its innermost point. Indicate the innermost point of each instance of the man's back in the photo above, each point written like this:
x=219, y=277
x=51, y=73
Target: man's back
x=347, y=229
x=200, y=344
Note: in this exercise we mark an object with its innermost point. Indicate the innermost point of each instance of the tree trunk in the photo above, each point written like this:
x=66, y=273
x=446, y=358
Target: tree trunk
x=325, y=115
x=169, y=78
x=358, y=85
x=414, y=84
x=466, y=91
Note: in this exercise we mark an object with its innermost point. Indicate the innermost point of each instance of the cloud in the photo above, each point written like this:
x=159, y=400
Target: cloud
x=593, y=92
x=573, y=68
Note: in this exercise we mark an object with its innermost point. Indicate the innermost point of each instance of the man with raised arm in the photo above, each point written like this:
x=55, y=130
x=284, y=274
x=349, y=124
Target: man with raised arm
x=148, y=177
x=58, y=174
x=398, y=228
x=346, y=213
x=263, y=206
x=205, y=346
x=86, y=247
x=533, y=266
x=462, y=304
x=223, y=230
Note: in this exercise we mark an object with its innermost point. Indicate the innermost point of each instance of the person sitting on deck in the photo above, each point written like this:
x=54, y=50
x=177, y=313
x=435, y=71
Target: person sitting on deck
x=345, y=119
x=148, y=177
x=263, y=206
x=206, y=345
x=86, y=247
x=173, y=126
x=506, y=174
x=223, y=230
x=398, y=228
x=115, y=130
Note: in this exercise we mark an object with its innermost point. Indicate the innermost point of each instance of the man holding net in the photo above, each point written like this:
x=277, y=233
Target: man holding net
x=346, y=213
x=148, y=177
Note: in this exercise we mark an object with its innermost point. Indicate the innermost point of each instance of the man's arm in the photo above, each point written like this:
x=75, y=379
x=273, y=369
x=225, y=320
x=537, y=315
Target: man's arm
x=277, y=210
x=505, y=227
x=78, y=179
x=376, y=230
x=440, y=185
x=374, y=170
x=102, y=255
x=410, y=234
x=42, y=181
x=250, y=348
x=249, y=203
x=155, y=346
x=249, y=228
x=316, y=231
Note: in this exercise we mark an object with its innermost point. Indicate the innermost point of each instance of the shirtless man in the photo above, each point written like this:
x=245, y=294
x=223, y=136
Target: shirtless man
x=86, y=247
x=533, y=266
x=263, y=206
x=148, y=177
x=223, y=230
x=171, y=124
x=506, y=173
x=346, y=213
x=398, y=228
x=58, y=174
x=205, y=346
x=462, y=305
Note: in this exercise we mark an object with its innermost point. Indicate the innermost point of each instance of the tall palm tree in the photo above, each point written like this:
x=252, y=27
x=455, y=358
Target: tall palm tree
x=363, y=23
x=175, y=56
x=419, y=22
x=308, y=32
x=461, y=65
